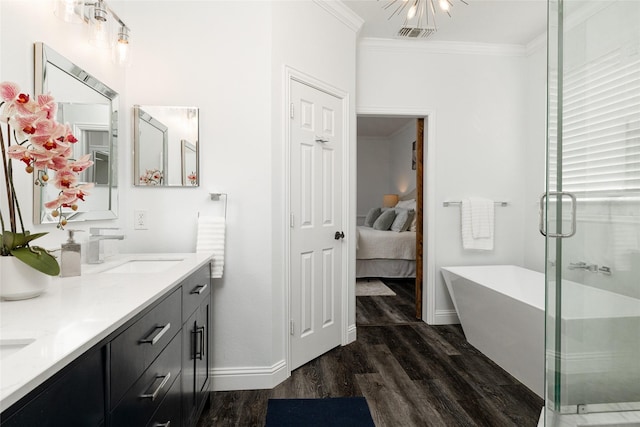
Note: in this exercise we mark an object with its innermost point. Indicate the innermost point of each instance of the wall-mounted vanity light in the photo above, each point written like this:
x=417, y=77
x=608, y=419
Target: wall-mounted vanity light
x=97, y=15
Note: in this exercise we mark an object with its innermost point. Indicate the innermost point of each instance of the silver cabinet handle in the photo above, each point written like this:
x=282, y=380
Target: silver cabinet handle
x=153, y=339
x=167, y=424
x=200, y=354
x=198, y=342
x=572, y=198
x=321, y=139
x=154, y=394
x=199, y=289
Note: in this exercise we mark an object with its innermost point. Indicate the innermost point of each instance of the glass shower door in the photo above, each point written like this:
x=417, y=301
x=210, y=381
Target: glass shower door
x=592, y=207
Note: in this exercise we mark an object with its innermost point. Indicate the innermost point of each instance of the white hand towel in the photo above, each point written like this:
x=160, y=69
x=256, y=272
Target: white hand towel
x=476, y=225
x=211, y=234
x=481, y=217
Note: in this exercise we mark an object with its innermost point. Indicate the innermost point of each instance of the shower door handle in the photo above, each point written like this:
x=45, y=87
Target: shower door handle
x=541, y=224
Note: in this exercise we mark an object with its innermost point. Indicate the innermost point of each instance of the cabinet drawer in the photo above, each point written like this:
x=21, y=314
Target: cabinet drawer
x=144, y=397
x=168, y=414
x=195, y=289
x=135, y=349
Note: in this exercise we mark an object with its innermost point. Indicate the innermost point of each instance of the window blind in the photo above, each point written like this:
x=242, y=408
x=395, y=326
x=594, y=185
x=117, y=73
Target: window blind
x=600, y=129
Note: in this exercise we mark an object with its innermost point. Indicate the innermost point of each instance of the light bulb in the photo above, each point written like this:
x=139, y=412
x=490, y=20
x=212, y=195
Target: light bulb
x=444, y=5
x=99, y=30
x=69, y=10
x=121, y=49
x=412, y=10
x=99, y=33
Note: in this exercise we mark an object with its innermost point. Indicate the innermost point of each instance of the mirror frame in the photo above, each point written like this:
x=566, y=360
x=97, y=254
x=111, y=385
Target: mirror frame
x=47, y=57
x=140, y=115
x=187, y=147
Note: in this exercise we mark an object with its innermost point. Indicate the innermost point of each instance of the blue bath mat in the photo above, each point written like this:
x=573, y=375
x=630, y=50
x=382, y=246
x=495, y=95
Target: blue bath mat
x=332, y=412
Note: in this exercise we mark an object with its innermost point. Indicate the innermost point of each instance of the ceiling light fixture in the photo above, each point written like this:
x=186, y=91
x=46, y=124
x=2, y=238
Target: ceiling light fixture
x=99, y=16
x=420, y=20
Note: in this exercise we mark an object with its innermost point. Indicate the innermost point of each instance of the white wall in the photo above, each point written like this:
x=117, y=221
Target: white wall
x=478, y=98
x=384, y=167
x=403, y=178
x=227, y=58
x=374, y=173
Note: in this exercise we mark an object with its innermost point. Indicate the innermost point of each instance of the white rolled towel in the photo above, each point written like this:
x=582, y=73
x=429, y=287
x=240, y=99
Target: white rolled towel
x=211, y=236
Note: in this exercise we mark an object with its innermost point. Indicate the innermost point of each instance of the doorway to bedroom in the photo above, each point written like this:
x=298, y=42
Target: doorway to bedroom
x=389, y=207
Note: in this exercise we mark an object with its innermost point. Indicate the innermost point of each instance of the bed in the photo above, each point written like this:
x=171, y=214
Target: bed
x=385, y=253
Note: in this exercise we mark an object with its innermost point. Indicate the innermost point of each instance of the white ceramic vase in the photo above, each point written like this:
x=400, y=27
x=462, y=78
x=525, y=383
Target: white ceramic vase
x=20, y=281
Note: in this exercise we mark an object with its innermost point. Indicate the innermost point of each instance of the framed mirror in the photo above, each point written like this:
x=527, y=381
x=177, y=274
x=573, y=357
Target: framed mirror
x=165, y=146
x=91, y=109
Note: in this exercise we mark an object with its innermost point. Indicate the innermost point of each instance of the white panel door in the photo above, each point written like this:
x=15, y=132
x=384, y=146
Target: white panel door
x=316, y=223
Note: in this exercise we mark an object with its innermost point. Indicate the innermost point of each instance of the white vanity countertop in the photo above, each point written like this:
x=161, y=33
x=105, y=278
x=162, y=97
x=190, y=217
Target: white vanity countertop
x=75, y=313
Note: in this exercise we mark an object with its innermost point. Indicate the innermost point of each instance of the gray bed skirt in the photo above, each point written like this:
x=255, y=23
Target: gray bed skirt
x=388, y=268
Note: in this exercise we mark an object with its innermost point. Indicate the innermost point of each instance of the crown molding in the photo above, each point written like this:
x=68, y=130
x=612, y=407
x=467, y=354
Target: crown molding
x=344, y=14
x=534, y=45
x=454, y=48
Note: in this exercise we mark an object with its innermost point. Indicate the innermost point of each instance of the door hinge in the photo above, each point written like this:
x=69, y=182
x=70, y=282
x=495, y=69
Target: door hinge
x=291, y=110
x=291, y=327
x=291, y=220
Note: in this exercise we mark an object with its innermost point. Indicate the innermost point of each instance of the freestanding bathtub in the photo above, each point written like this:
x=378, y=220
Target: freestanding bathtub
x=501, y=309
x=502, y=312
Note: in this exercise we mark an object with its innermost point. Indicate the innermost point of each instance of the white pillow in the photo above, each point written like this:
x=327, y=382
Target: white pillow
x=403, y=219
x=407, y=204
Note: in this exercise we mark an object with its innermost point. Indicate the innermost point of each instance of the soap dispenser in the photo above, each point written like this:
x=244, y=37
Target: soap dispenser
x=70, y=257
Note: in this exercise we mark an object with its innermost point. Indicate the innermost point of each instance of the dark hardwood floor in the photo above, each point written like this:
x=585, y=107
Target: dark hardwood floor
x=411, y=374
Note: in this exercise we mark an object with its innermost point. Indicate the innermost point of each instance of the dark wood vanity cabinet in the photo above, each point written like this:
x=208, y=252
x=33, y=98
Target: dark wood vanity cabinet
x=74, y=397
x=196, y=306
x=153, y=371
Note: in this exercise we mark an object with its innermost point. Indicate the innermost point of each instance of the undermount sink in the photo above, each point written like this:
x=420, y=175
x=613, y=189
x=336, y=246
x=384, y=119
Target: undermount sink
x=10, y=346
x=144, y=266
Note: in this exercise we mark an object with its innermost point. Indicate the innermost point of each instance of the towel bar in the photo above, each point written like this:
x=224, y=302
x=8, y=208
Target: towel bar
x=216, y=197
x=450, y=203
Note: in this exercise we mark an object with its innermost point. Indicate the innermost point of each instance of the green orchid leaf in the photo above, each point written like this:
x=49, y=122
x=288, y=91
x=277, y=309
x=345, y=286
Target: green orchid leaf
x=22, y=239
x=38, y=258
x=8, y=240
x=17, y=240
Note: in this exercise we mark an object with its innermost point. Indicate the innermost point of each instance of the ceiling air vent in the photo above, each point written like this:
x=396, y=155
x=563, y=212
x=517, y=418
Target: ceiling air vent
x=415, y=32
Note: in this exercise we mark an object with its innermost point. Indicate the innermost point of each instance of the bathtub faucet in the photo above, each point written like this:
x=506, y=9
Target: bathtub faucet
x=583, y=266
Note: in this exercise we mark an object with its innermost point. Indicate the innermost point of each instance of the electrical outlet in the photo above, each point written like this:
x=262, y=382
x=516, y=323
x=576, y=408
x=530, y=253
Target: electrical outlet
x=140, y=220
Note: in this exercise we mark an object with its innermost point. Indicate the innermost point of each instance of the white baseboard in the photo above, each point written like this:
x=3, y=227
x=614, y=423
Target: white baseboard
x=351, y=334
x=250, y=378
x=446, y=317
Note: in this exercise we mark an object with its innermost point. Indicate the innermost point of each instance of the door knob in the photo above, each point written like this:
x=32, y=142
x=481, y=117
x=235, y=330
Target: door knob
x=339, y=235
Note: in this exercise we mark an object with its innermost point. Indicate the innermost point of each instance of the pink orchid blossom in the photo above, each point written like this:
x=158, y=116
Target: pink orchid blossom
x=65, y=178
x=21, y=153
x=62, y=200
x=81, y=164
x=48, y=105
x=79, y=191
x=42, y=144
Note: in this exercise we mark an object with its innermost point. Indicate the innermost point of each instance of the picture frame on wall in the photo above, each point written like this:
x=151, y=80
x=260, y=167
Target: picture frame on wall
x=413, y=156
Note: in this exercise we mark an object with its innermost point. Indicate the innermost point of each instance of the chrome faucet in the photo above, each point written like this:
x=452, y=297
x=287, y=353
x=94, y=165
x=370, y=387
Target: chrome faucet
x=94, y=252
x=583, y=266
